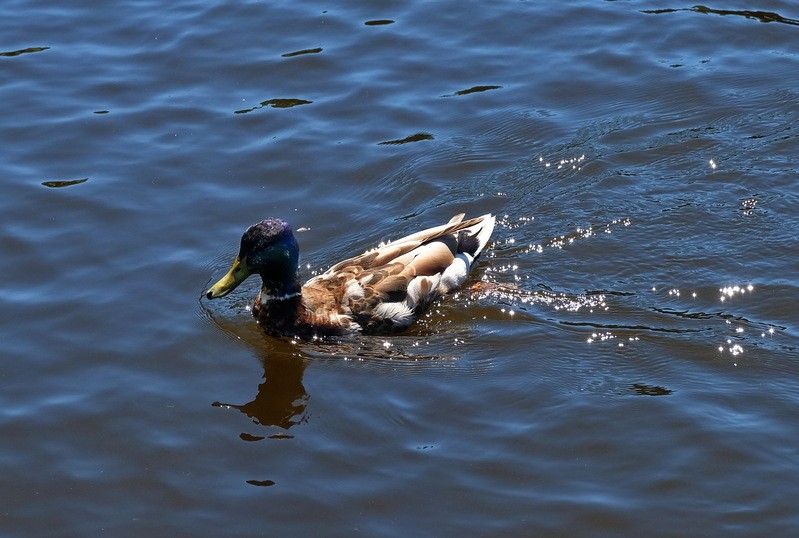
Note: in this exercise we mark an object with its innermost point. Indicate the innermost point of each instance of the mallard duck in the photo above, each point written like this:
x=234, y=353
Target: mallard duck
x=381, y=291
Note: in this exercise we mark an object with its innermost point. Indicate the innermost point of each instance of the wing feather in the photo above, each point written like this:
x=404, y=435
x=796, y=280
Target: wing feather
x=393, y=284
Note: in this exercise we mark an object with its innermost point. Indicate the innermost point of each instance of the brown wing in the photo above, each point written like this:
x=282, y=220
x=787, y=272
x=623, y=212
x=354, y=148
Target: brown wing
x=354, y=288
x=394, y=250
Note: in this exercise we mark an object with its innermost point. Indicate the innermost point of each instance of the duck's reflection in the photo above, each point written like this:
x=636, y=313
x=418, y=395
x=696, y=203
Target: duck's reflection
x=281, y=399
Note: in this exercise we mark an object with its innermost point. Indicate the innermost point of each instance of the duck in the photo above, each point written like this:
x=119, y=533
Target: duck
x=382, y=291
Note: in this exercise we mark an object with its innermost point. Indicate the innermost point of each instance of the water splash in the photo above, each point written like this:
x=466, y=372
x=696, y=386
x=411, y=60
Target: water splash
x=514, y=295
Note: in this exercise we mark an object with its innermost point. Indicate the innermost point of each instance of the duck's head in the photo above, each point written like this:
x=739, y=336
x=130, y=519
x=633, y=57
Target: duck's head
x=268, y=249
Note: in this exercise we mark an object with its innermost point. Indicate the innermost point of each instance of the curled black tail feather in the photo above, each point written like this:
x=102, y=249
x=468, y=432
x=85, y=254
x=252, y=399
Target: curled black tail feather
x=468, y=244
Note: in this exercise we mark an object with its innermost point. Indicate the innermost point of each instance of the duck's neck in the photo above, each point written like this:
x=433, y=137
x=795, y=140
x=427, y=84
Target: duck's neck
x=279, y=311
x=278, y=307
x=279, y=290
x=272, y=296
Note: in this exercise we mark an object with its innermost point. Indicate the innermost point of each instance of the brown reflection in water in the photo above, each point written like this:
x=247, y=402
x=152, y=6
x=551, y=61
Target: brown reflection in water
x=281, y=399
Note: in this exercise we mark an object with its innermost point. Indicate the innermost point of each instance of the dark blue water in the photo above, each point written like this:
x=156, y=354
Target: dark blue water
x=631, y=365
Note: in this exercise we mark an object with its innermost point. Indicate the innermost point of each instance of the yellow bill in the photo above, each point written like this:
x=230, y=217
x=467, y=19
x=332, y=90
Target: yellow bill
x=237, y=274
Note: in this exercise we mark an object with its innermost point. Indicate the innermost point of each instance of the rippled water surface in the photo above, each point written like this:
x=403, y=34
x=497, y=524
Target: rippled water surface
x=630, y=364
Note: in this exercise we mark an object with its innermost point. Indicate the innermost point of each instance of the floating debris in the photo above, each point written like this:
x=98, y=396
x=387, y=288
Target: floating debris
x=301, y=52
x=762, y=16
x=261, y=482
x=276, y=103
x=285, y=103
x=23, y=51
x=650, y=390
x=67, y=183
x=412, y=138
x=473, y=89
x=379, y=22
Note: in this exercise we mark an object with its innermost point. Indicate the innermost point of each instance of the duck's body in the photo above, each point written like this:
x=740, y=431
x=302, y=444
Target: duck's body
x=383, y=290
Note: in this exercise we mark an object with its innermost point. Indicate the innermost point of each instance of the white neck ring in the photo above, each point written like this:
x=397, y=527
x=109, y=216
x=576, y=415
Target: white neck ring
x=265, y=297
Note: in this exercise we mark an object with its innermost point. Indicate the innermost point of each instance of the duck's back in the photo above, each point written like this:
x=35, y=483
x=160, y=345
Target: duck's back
x=388, y=288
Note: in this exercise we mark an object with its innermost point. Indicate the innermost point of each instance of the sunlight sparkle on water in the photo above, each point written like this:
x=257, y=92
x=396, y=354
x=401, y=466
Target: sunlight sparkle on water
x=573, y=163
x=736, y=327
x=748, y=206
x=518, y=296
x=674, y=292
x=734, y=349
x=560, y=241
x=732, y=291
x=606, y=336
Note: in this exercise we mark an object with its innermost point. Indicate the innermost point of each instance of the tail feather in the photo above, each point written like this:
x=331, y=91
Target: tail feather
x=475, y=242
x=471, y=242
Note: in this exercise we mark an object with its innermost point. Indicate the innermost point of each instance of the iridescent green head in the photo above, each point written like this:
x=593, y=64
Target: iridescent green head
x=269, y=249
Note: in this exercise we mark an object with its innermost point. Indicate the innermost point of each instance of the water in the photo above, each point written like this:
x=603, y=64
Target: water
x=630, y=367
